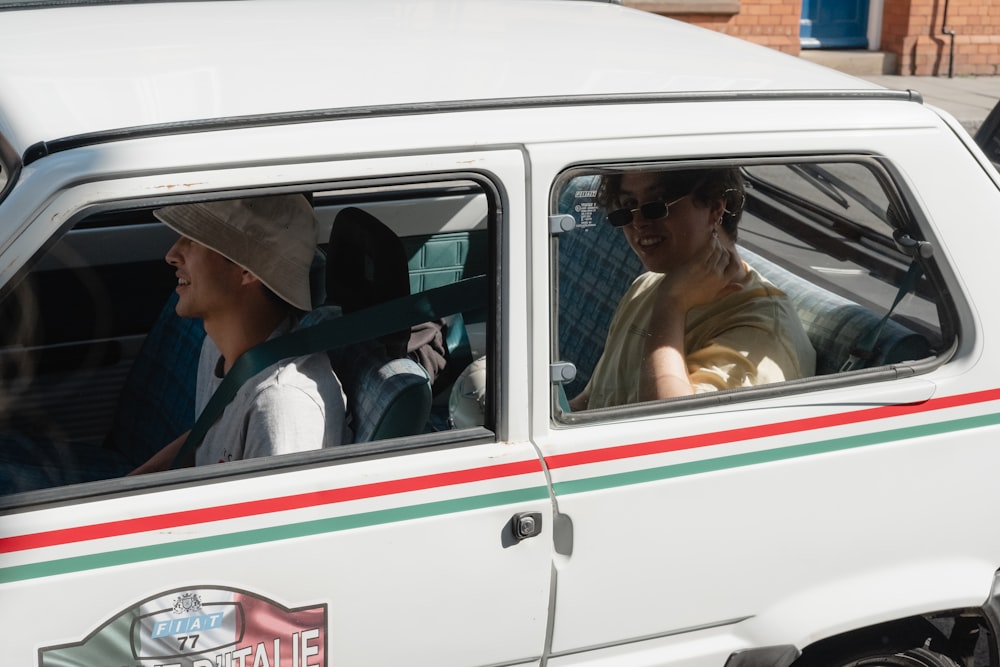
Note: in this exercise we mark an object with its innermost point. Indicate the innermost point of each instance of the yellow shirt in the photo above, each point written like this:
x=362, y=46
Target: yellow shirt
x=744, y=339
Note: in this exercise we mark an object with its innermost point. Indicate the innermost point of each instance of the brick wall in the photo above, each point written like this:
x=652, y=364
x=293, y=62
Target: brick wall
x=913, y=30
x=771, y=23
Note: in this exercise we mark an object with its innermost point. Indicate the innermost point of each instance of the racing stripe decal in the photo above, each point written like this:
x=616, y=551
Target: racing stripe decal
x=771, y=455
x=263, y=535
x=266, y=506
x=766, y=430
x=334, y=524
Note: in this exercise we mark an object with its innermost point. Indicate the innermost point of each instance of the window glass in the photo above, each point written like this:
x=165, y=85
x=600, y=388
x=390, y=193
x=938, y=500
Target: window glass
x=824, y=248
x=96, y=365
x=9, y=165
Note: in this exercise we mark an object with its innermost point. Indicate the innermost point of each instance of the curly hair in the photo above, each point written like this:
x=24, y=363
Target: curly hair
x=706, y=187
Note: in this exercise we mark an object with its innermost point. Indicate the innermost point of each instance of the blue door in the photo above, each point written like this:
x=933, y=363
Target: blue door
x=836, y=24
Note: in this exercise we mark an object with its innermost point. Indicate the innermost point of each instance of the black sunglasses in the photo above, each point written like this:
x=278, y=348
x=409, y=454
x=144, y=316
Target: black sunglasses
x=654, y=210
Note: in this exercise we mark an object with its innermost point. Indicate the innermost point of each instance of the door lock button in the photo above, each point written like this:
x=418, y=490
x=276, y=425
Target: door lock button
x=526, y=524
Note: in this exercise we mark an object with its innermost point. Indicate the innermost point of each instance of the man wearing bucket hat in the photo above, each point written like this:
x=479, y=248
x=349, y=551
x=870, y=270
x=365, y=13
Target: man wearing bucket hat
x=242, y=266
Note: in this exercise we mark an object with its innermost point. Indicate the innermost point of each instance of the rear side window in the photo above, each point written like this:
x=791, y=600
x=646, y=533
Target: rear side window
x=831, y=245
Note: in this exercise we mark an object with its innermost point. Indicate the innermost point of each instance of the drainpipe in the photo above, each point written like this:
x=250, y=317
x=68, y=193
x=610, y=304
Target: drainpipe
x=951, y=34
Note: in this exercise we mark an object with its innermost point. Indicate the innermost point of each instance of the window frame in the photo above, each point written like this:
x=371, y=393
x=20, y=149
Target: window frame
x=488, y=185
x=939, y=276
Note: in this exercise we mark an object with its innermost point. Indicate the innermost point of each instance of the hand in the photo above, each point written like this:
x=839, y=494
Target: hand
x=713, y=272
x=709, y=274
x=163, y=459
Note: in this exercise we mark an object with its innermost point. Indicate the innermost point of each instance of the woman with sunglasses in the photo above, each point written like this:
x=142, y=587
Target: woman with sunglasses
x=699, y=319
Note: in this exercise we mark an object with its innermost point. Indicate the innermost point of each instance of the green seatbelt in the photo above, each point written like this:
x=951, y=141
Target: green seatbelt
x=863, y=350
x=372, y=322
x=918, y=250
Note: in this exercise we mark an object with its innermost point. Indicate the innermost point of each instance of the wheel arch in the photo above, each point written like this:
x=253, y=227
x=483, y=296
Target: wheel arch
x=949, y=611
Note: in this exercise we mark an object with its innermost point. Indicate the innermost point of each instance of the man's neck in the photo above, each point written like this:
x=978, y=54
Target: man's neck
x=236, y=332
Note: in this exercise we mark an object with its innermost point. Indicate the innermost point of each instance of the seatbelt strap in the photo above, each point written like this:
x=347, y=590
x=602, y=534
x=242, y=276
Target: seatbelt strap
x=865, y=345
x=372, y=322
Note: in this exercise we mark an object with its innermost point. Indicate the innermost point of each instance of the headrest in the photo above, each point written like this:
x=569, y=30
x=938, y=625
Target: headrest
x=366, y=265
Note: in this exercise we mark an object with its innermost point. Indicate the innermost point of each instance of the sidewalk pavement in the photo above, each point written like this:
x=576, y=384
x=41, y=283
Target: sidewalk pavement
x=968, y=98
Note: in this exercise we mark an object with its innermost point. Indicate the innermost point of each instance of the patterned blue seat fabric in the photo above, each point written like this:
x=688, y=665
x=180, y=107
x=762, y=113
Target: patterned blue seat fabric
x=834, y=324
x=156, y=403
x=596, y=267
x=387, y=397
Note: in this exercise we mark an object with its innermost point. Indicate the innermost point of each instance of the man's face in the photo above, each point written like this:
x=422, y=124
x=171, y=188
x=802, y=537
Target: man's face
x=207, y=282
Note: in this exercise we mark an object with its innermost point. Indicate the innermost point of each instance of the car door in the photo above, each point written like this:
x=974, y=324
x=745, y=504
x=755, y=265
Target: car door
x=426, y=549
x=778, y=514
x=837, y=24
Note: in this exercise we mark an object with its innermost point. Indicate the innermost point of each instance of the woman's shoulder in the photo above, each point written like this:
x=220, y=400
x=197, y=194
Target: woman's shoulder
x=645, y=281
x=757, y=285
x=757, y=298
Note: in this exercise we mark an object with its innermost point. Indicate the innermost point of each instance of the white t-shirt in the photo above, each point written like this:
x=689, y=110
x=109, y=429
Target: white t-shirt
x=292, y=406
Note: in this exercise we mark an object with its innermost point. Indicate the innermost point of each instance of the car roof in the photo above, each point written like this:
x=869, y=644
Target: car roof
x=74, y=70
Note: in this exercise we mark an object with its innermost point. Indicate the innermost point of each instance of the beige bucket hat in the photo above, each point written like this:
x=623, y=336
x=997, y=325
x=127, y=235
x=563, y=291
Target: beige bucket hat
x=273, y=237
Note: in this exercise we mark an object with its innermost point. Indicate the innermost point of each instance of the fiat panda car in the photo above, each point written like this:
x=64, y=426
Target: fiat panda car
x=838, y=518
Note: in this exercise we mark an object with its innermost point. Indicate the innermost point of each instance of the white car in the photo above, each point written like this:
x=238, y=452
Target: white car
x=844, y=517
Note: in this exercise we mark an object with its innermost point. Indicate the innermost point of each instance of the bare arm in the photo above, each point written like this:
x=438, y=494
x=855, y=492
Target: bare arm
x=163, y=459
x=664, y=371
x=711, y=274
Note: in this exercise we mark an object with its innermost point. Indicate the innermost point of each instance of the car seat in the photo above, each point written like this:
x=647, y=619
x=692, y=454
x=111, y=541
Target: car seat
x=156, y=403
x=366, y=265
x=387, y=397
x=388, y=394
x=835, y=324
x=596, y=267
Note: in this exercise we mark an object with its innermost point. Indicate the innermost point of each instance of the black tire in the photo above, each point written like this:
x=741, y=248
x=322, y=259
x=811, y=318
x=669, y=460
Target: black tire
x=916, y=657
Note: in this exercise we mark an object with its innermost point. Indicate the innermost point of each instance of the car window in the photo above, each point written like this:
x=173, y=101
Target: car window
x=988, y=135
x=93, y=356
x=833, y=238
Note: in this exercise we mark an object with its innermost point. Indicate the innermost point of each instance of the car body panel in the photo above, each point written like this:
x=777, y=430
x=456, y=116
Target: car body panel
x=672, y=533
x=688, y=492
x=289, y=47
x=310, y=515
x=192, y=159
x=335, y=523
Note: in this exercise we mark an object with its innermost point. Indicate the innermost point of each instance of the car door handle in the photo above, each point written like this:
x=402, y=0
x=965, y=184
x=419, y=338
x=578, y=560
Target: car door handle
x=526, y=524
